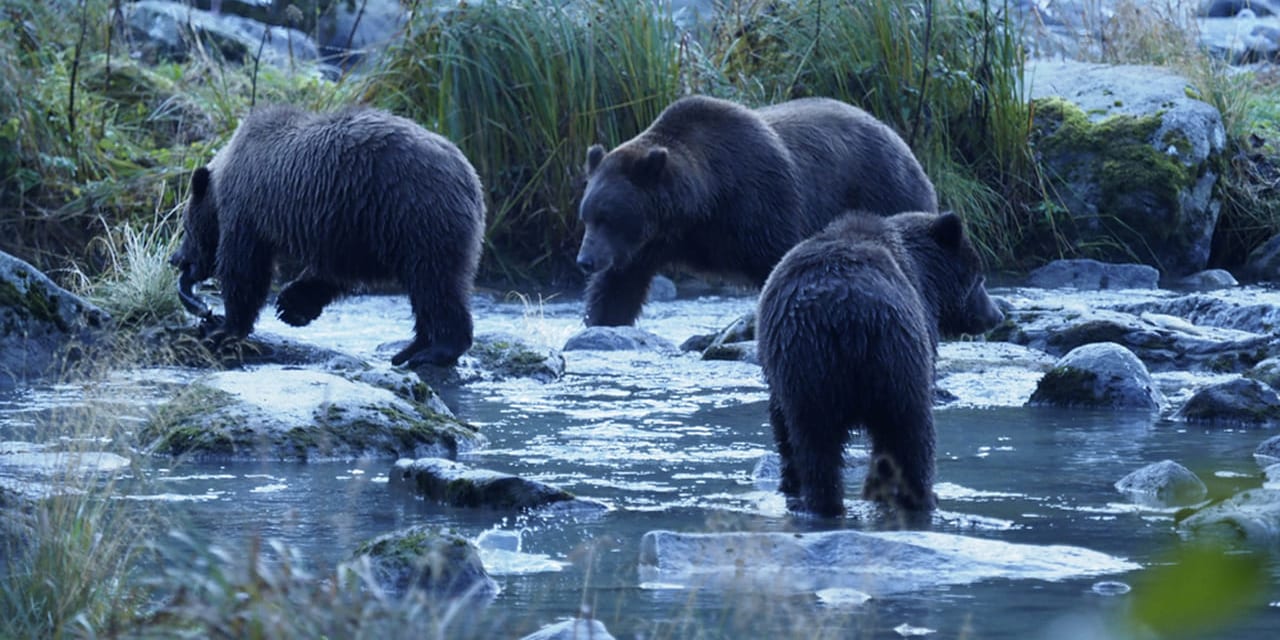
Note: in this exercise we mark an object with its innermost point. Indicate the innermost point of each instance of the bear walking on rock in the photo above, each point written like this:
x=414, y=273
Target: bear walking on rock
x=848, y=331
x=726, y=190
x=354, y=196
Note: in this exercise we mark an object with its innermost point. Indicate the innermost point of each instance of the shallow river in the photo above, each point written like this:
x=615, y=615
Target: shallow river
x=670, y=442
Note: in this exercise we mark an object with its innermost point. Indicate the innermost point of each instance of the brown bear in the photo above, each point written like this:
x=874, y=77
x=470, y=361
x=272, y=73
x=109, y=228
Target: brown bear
x=848, y=327
x=358, y=195
x=726, y=190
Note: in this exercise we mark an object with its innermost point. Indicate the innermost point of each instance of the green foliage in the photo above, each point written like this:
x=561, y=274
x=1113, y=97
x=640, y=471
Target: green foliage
x=524, y=88
x=1199, y=589
x=947, y=78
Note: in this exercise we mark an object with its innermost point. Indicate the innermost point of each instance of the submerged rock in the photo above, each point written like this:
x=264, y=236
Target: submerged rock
x=1240, y=401
x=575, y=629
x=1163, y=484
x=493, y=356
x=458, y=485
x=438, y=562
x=1251, y=516
x=298, y=415
x=618, y=339
x=44, y=328
x=877, y=563
x=1268, y=453
x=1093, y=275
x=1102, y=374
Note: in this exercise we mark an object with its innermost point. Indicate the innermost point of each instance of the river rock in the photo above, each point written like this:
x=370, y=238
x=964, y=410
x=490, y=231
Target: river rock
x=661, y=289
x=1268, y=452
x=1133, y=159
x=1244, y=39
x=438, y=562
x=299, y=415
x=44, y=329
x=1207, y=280
x=1202, y=310
x=1093, y=275
x=457, y=485
x=349, y=32
x=1251, y=516
x=1163, y=484
x=575, y=629
x=878, y=563
x=618, y=339
x=1267, y=372
x=1163, y=343
x=162, y=30
x=1263, y=263
x=1102, y=374
x=493, y=356
x=1236, y=402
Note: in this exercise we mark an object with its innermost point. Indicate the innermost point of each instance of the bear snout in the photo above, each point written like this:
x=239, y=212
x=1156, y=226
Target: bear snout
x=984, y=311
x=177, y=260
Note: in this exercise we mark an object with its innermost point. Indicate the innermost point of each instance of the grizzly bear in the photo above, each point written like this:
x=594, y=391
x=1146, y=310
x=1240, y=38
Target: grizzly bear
x=354, y=196
x=848, y=327
x=726, y=190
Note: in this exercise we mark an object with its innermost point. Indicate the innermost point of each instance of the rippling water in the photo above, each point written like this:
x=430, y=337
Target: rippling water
x=670, y=442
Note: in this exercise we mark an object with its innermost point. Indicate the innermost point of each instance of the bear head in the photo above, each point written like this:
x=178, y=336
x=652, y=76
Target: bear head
x=952, y=274
x=621, y=204
x=197, y=254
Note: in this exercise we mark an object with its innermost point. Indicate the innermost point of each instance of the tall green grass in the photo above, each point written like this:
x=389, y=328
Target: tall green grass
x=947, y=78
x=524, y=88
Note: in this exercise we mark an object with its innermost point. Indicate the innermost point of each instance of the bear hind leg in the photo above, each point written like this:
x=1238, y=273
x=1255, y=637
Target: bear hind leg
x=817, y=447
x=788, y=484
x=302, y=300
x=902, y=458
x=443, y=326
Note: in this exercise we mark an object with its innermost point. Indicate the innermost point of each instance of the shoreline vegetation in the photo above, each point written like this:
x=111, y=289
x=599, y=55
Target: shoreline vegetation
x=97, y=146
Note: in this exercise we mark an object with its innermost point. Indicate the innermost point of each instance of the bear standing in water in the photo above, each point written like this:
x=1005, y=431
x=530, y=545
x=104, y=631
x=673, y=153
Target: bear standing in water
x=848, y=333
x=726, y=190
x=358, y=195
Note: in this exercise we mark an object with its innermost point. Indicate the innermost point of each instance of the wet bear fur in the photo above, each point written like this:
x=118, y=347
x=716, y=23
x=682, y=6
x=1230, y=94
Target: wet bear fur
x=726, y=190
x=358, y=195
x=848, y=330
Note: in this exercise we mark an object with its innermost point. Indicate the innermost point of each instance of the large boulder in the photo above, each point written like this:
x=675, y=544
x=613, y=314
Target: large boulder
x=1236, y=402
x=1101, y=374
x=162, y=30
x=1133, y=159
x=44, y=329
x=1093, y=275
x=300, y=415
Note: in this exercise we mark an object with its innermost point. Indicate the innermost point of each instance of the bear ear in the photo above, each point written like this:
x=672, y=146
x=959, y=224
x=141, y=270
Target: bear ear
x=199, y=184
x=650, y=167
x=947, y=229
x=595, y=155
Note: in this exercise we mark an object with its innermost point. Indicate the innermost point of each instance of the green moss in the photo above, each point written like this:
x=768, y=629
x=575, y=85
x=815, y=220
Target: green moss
x=33, y=303
x=1067, y=386
x=1138, y=202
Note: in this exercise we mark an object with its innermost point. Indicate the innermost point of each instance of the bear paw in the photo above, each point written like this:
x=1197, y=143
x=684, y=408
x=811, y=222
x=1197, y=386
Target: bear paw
x=299, y=303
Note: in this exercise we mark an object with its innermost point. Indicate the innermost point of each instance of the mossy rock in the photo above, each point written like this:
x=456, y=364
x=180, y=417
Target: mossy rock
x=44, y=329
x=298, y=415
x=438, y=562
x=1238, y=402
x=1135, y=174
x=493, y=356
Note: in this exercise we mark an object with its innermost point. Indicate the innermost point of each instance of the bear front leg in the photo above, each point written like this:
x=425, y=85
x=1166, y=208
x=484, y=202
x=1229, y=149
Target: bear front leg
x=615, y=296
x=302, y=300
x=788, y=484
x=244, y=269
